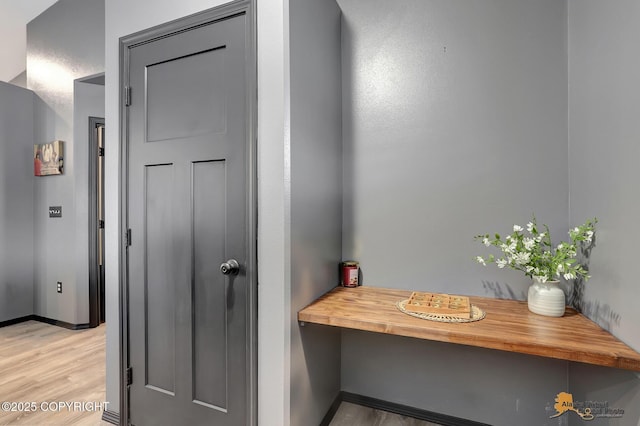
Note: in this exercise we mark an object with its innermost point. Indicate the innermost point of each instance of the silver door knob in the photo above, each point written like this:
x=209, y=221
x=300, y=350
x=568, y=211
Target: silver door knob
x=230, y=267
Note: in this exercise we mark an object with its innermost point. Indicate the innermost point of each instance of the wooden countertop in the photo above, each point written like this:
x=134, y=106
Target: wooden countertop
x=508, y=326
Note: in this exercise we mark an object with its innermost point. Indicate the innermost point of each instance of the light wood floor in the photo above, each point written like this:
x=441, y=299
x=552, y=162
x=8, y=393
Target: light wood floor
x=42, y=363
x=356, y=415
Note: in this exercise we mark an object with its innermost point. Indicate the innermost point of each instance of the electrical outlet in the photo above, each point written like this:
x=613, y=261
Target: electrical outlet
x=59, y=288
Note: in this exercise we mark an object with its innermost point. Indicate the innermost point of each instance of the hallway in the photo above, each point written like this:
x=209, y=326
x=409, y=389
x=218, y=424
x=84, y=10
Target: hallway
x=43, y=365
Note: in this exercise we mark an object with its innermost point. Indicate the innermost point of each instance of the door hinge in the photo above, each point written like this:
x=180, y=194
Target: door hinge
x=128, y=237
x=100, y=152
x=101, y=224
x=127, y=96
x=129, y=376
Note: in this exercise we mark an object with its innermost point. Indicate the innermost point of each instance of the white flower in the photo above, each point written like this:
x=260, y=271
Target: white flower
x=533, y=254
x=528, y=243
x=574, y=232
x=508, y=248
x=522, y=258
x=589, y=237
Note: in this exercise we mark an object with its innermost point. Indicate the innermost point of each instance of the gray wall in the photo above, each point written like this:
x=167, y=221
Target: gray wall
x=454, y=124
x=64, y=43
x=16, y=202
x=497, y=388
x=316, y=200
x=604, y=103
x=88, y=101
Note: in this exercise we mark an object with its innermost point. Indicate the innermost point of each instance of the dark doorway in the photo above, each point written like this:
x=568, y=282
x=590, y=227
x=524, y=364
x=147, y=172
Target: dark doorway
x=96, y=221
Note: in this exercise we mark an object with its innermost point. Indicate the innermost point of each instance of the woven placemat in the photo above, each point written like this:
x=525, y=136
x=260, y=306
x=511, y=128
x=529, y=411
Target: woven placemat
x=476, y=314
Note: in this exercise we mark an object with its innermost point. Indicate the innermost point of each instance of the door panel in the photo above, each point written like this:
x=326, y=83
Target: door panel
x=159, y=284
x=210, y=319
x=187, y=211
x=201, y=103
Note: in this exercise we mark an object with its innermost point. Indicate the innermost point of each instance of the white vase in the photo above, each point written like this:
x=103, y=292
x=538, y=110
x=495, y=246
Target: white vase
x=546, y=299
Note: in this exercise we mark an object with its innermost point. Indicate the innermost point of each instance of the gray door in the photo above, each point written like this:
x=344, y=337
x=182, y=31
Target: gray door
x=188, y=216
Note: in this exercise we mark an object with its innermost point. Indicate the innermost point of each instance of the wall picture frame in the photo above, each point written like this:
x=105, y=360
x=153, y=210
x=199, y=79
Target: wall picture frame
x=48, y=158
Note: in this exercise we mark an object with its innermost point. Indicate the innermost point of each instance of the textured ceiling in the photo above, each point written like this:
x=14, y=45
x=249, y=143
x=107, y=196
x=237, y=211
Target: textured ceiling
x=14, y=16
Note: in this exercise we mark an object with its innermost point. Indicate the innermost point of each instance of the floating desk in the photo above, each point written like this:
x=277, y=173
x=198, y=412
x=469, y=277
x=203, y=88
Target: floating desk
x=508, y=326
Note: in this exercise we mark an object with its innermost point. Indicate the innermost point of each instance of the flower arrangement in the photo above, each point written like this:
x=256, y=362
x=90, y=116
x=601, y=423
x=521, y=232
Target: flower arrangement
x=534, y=254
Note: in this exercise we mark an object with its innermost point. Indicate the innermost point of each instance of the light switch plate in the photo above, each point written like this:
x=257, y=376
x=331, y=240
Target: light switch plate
x=55, y=211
